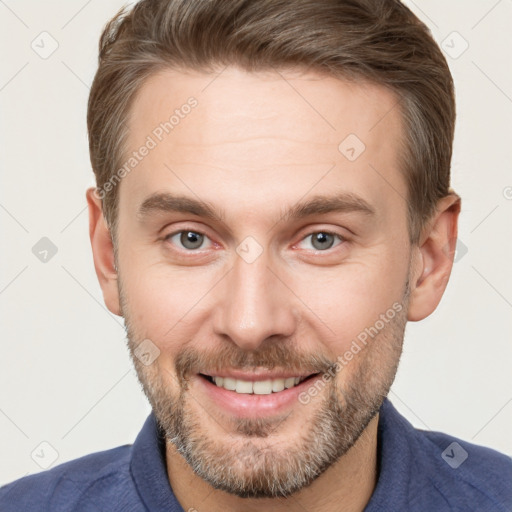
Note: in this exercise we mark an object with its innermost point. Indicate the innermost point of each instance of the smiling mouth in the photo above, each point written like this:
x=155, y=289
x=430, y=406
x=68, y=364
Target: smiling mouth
x=261, y=387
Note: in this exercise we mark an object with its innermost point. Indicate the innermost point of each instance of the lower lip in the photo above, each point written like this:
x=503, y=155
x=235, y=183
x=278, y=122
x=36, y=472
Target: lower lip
x=245, y=405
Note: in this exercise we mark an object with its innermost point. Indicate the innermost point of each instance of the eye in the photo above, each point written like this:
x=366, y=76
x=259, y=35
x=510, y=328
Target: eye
x=322, y=240
x=190, y=240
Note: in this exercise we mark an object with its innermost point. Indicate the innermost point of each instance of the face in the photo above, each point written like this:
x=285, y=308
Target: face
x=259, y=245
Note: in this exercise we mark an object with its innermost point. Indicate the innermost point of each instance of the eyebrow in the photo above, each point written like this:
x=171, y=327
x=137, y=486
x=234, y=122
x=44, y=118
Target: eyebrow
x=342, y=203
x=164, y=202
x=318, y=205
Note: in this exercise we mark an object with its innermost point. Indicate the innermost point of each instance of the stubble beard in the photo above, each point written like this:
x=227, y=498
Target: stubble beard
x=247, y=464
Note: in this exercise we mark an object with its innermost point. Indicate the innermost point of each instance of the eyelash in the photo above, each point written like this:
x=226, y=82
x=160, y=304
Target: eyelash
x=325, y=232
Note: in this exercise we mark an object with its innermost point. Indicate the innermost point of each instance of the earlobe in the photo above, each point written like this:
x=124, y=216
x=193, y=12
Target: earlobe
x=103, y=252
x=434, y=259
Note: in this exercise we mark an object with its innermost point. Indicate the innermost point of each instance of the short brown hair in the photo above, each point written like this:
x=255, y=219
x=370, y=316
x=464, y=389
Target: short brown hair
x=378, y=41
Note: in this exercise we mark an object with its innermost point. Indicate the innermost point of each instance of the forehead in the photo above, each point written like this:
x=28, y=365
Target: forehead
x=263, y=139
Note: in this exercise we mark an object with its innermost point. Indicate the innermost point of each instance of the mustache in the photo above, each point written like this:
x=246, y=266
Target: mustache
x=192, y=361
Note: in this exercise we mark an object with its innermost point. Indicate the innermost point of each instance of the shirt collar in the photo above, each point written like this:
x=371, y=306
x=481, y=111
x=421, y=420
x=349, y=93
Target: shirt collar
x=394, y=459
x=149, y=471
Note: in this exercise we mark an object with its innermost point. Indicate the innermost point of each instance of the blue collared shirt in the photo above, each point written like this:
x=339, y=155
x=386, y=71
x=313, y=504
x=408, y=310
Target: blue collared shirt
x=419, y=471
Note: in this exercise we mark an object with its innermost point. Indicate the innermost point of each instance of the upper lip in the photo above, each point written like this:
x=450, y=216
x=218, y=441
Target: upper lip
x=256, y=376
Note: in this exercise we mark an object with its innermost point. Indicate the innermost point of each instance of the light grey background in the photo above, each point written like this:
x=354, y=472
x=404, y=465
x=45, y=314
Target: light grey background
x=65, y=375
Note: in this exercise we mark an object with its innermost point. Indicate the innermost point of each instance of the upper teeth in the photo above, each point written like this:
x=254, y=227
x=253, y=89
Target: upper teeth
x=261, y=387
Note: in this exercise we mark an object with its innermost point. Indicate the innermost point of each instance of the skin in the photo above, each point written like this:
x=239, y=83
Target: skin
x=252, y=148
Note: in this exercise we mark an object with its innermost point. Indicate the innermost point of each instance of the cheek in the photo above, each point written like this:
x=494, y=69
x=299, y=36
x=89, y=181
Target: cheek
x=163, y=302
x=344, y=301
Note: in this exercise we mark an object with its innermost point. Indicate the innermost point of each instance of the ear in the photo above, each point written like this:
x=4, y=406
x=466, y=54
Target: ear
x=434, y=258
x=103, y=252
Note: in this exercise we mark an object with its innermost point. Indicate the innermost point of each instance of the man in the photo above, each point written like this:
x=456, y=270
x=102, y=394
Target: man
x=272, y=206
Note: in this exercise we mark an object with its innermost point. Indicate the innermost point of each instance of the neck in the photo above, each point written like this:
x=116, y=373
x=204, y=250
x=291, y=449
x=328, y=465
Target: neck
x=346, y=486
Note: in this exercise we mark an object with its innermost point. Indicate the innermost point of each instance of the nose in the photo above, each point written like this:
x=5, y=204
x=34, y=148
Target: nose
x=254, y=304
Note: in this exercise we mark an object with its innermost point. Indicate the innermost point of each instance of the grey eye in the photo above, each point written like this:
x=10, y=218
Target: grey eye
x=187, y=239
x=321, y=240
x=191, y=240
